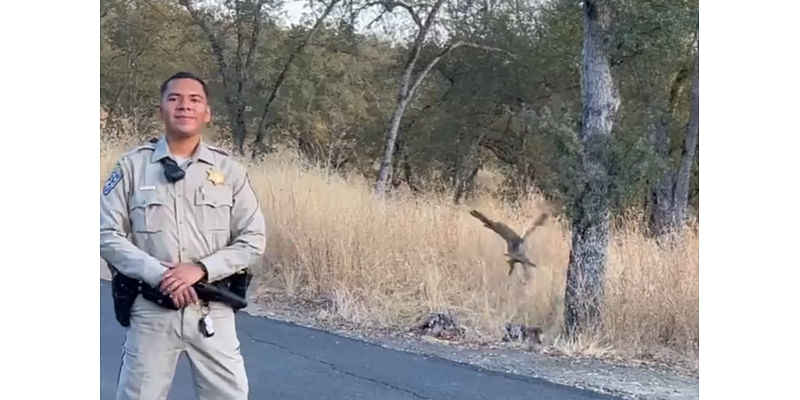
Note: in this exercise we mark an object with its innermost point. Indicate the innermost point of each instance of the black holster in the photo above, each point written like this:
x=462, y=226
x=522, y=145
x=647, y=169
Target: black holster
x=123, y=292
x=239, y=282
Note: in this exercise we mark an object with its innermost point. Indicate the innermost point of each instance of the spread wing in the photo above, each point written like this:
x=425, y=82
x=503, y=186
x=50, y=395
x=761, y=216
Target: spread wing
x=539, y=222
x=500, y=228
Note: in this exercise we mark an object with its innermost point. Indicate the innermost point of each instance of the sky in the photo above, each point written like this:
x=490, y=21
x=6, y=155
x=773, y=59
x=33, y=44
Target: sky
x=294, y=11
x=393, y=27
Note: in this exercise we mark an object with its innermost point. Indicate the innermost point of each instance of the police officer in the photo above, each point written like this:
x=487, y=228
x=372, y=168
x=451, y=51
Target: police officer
x=175, y=212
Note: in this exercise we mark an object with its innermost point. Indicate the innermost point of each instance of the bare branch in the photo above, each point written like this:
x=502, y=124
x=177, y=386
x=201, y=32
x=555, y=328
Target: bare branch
x=238, y=62
x=490, y=48
x=447, y=50
x=410, y=10
x=389, y=6
x=364, y=7
x=369, y=25
x=216, y=44
x=254, y=36
x=416, y=49
x=263, y=124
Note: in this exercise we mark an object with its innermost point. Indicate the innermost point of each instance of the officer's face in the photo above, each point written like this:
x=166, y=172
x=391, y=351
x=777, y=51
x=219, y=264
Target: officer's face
x=184, y=108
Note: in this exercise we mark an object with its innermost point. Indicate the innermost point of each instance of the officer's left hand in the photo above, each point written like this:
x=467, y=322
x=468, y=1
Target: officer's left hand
x=184, y=298
x=180, y=276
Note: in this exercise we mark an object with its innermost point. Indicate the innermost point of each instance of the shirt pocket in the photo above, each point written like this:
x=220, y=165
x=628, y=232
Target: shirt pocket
x=213, y=205
x=150, y=211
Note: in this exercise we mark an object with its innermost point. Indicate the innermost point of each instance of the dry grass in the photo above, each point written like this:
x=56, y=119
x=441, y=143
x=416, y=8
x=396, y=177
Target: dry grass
x=388, y=263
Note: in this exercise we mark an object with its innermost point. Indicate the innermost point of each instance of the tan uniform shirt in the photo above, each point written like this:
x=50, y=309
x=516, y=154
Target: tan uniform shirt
x=211, y=216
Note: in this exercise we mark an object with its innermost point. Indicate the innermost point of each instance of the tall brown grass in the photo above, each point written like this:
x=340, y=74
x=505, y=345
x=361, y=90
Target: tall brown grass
x=387, y=263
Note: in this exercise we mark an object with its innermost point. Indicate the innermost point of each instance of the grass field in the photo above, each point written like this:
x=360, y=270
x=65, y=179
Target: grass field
x=388, y=263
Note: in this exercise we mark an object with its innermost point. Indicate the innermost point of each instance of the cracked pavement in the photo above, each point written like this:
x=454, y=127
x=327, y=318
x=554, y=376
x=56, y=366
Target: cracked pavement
x=286, y=361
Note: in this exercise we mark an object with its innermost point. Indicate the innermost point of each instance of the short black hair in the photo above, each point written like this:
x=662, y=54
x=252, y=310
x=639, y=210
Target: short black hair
x=183, y=75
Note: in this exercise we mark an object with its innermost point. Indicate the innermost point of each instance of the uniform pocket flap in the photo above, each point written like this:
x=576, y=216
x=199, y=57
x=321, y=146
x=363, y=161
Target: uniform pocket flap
x=146, y=198
x=214, y=196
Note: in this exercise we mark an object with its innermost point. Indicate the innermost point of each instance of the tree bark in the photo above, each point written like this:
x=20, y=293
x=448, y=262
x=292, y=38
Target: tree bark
x=670, y=196
x=390, y=141
x=661, y=194
x=465, y=179
x=681, y=192
x=403, y=161
x=466, y=170
x=590, y=219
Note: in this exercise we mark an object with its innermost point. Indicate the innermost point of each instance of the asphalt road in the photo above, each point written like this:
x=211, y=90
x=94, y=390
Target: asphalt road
x=286, y=361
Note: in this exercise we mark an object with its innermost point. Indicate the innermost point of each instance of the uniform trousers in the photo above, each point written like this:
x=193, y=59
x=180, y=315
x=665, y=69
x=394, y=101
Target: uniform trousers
x=157, y=337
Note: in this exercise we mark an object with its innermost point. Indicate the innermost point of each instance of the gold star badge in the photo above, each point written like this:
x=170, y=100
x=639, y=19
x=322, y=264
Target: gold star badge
x=216, y=177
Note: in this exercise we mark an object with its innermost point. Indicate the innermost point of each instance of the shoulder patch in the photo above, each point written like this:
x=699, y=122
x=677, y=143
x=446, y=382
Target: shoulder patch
x=112, y=181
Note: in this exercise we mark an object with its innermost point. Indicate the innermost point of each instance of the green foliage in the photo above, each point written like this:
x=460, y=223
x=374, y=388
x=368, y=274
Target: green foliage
x=141, y=44
x=519, y=115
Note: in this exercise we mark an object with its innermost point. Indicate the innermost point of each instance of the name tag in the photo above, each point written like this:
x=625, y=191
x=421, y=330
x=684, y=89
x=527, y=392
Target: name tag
x=147, y=188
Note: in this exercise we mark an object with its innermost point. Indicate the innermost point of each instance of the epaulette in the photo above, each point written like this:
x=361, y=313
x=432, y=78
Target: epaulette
x=218, y=150
x=146, y=146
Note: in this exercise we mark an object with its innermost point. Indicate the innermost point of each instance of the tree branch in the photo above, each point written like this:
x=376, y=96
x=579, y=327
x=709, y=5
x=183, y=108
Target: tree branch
x=238, y=62
x=389, y=6
x=410, y=10
x=216, y=45
x=416, y=50
x=263, y=125
x=369, y=25
x=447, y=50
x=254, y=34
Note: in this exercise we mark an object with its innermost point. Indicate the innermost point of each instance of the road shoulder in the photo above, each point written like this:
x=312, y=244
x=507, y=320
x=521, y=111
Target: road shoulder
x=626, y=381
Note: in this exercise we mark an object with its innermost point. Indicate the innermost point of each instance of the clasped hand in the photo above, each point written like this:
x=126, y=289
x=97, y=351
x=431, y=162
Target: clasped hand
x=177, y=282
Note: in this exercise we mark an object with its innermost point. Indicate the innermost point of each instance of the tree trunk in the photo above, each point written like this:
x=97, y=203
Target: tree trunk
x=239, y=126
x=390, y=140
x=670, y=196
x=411, y=82
x=406, y=91
x=661, y=194
x=466, y=169
x=681, y=192
x=465, y=180
x=233, y=77
x=408, y=170
x=408, y=88
x=590, y=220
